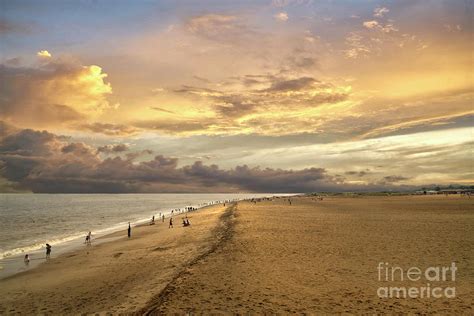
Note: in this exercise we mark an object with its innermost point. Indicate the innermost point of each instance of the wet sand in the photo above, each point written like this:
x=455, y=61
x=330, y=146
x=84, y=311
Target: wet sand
x=270, y=257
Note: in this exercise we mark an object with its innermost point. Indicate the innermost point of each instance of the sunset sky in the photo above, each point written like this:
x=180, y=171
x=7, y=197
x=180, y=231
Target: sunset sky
x=220, y=96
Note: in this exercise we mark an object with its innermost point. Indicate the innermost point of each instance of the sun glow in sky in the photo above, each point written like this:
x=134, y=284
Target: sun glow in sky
x=202, y=96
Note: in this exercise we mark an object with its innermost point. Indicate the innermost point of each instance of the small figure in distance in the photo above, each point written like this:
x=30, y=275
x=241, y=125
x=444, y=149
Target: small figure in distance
x=27, y=259
x=171, y=223
x=129, y=230
x=48, y=251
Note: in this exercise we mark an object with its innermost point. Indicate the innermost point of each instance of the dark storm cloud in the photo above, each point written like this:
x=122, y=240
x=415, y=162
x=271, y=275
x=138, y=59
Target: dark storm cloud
x=44, y=162
x=392, y=179
x=28, y=142
x=259, y=179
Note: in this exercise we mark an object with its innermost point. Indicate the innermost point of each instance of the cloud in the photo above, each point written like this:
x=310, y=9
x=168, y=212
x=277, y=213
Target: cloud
x=374, y=25
x=360, y=174
x=179, y=126
x=53, y=92
x=43, y=54
x=392, y=179
x=108, y=129
x=285, y=3
x=210, y=23
x=291, y=84
x=357, y=46
x=217, y=27
x=370, y=24
x=117, y=148
x=282, y=17
x=40, y=161
x=161, y=110
x=418, y=124
x=242, y=103
x=380, y=12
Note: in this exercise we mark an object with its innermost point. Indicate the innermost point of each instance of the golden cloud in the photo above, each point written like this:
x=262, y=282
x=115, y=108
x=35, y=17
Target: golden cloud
x=52, y=92
x=43, y=54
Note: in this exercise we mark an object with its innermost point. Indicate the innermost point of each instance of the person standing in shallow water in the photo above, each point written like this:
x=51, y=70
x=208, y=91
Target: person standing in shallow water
x=27, y=260
x=48, y=251
x=129, y=230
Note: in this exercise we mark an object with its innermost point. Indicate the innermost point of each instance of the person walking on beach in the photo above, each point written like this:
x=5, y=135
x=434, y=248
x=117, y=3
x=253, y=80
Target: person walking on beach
x=163, y=218
x=48, y=251
x=27, y=259
x=129, y=230
x=171, y=223
x=88, y=239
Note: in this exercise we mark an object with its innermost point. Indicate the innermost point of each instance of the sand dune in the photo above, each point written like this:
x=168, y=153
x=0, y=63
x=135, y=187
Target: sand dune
x=269, y=257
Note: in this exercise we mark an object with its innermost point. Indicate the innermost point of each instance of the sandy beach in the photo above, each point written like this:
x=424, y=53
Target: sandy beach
x=267, y=257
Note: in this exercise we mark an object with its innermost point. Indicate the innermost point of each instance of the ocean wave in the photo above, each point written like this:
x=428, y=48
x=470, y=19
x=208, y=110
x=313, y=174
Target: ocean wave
x=61, y=240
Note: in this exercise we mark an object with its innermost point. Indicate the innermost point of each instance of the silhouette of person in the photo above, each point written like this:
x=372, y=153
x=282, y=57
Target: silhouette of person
x=48, y=251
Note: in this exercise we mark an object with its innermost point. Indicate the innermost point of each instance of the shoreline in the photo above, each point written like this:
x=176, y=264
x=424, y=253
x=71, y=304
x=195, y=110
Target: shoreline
x=112, y=262
x=12, y=261
x=33, y=243
x=15, y=265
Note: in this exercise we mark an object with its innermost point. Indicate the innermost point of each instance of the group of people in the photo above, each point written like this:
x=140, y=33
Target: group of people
x=27, y=259
x=186, y=222
x=162, y=216
x=88, y=240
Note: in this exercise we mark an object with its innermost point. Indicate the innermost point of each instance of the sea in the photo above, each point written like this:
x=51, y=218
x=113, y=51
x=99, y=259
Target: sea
x=29, y=221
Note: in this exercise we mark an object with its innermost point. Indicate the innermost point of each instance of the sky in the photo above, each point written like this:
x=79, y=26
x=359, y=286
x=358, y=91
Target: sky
x=235, y=96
